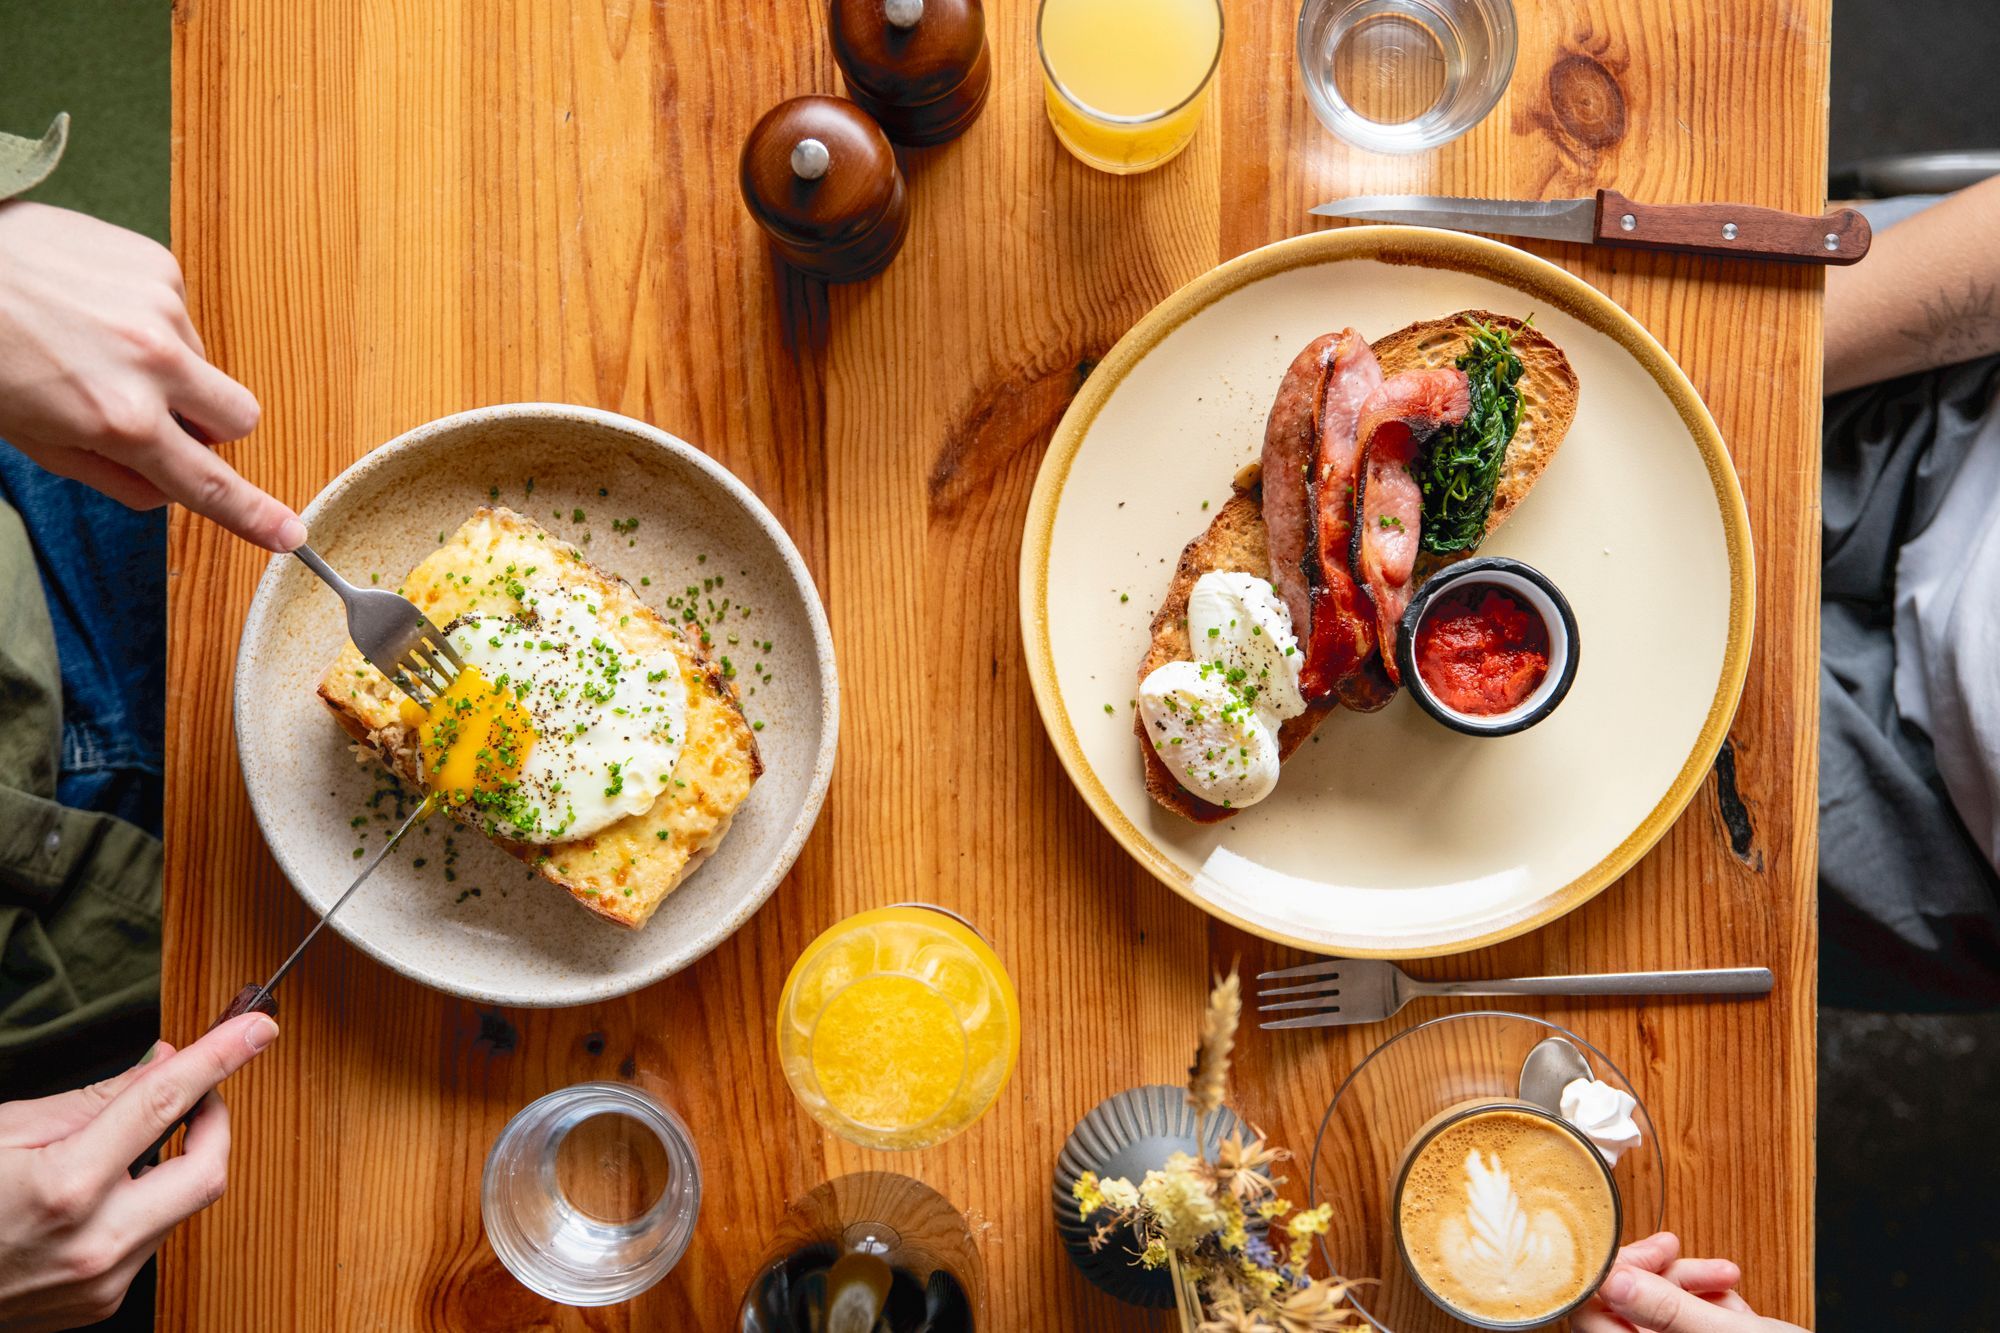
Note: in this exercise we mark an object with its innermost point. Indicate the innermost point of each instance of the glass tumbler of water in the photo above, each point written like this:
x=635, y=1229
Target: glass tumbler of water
x=1401, y=76
x=590, y=1193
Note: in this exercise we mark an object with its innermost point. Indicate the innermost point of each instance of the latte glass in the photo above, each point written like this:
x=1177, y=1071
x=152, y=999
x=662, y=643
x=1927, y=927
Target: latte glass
x=1389, y=1102
x=1501, y=1226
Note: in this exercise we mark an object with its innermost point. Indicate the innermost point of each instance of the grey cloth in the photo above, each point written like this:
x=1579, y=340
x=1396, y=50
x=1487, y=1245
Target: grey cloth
x=1909, y=901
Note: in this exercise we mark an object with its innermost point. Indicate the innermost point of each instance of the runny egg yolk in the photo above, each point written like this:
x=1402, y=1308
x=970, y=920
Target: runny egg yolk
x=475, y=737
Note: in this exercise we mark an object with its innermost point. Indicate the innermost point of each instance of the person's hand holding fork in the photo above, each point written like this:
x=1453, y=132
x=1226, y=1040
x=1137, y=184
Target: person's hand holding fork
x=103, y=378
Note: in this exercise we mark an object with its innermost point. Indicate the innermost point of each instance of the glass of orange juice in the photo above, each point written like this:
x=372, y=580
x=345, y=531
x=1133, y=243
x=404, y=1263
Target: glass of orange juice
x=897, y=1028
x=1126, y=81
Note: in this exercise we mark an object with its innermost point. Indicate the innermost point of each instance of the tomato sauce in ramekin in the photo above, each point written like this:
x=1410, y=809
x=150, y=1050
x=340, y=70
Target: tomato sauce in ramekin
x=1482, y=649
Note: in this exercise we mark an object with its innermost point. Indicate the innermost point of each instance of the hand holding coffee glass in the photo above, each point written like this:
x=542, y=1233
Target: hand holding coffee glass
x=1472, y=1206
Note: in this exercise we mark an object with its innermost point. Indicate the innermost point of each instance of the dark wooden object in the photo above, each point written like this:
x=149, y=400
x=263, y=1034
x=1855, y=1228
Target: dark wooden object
x=252, y=999
x=819, y=176
x=920, y=67
x=1841, y=237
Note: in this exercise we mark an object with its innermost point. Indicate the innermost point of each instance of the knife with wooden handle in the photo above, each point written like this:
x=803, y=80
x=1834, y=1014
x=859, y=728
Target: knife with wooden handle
x=1609, y=218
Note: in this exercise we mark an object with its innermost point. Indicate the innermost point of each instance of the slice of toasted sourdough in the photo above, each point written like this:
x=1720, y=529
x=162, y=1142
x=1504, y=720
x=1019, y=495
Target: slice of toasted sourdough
x=624, y=871
x=1235, y=539
x=1547, y=389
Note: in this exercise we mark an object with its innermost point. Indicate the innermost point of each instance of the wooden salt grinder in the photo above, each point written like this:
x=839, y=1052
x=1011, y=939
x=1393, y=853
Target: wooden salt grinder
x=821, y=179
x=920, y=67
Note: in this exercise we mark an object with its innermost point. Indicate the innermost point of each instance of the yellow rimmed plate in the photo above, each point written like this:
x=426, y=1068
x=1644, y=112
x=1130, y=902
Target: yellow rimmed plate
x=1388, y=835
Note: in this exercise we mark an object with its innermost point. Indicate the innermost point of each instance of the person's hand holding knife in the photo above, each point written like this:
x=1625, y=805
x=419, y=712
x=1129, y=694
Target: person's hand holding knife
x=74, y=1226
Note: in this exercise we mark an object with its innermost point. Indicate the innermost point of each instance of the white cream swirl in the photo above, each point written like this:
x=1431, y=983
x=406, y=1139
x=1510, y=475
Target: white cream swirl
x=1604, y=1115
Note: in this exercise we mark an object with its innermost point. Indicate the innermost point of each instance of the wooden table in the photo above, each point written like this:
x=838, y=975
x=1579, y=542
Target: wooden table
x=392, y=211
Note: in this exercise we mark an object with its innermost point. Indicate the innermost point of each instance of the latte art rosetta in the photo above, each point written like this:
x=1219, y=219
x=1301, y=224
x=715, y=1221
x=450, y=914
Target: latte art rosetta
x=1506, y=1217
x=1499, y=1247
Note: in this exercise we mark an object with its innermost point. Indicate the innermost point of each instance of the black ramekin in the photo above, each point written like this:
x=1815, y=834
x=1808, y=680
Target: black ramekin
x=1532, y=587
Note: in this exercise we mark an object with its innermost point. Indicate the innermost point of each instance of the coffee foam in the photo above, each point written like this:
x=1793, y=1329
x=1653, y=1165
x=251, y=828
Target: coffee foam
x=1506, y=1218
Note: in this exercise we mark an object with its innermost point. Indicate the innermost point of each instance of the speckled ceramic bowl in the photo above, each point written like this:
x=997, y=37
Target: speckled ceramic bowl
x=519, y=939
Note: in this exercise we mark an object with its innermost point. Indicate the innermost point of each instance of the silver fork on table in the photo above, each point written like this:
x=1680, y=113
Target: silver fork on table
x=397, y=639
x=1366, y=990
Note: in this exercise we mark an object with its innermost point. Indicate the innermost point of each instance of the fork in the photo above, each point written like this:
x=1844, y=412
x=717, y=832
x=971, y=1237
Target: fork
x=397, y=639
x=1366, y=990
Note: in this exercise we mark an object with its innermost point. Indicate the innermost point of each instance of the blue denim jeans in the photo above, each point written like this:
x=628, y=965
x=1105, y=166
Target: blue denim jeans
x=104, y=574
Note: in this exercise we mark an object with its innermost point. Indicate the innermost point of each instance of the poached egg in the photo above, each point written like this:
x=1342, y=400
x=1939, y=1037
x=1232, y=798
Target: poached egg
x=1238, y=622
x=1214, y=721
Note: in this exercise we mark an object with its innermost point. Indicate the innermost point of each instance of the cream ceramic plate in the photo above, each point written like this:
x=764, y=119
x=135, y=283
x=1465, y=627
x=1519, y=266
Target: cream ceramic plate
x=520, y=939
x=1388, y=835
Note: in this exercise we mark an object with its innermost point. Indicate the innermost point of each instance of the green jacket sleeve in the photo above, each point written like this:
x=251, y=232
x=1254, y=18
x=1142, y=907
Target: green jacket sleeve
x=79, y=891
x=26, y=163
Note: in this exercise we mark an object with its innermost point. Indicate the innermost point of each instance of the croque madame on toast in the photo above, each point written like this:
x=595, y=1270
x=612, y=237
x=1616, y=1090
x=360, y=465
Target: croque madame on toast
x=588, y=737
x=1381, y=464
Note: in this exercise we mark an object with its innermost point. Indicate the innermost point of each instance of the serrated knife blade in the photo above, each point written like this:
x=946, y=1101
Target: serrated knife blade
x=1548, y=219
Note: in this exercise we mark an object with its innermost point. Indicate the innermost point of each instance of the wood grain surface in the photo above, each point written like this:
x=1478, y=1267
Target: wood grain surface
x=392, y=210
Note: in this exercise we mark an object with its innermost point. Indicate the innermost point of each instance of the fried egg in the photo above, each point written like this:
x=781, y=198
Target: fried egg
x=553, y=731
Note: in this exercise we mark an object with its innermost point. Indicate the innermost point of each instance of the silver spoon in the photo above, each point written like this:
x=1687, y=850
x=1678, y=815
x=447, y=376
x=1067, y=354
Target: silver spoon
x=1551, y=1066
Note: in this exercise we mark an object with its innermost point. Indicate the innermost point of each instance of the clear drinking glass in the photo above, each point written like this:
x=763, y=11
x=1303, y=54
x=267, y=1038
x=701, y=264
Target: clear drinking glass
x=590, y=1193
x=1401, y=76
x=1126, y=81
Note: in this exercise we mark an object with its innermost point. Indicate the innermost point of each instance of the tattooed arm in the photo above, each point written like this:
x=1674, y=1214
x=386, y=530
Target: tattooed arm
x=1927, y=295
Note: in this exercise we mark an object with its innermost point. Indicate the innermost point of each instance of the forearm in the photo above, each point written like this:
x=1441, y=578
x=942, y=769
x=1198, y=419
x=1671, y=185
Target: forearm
x=1927, y=295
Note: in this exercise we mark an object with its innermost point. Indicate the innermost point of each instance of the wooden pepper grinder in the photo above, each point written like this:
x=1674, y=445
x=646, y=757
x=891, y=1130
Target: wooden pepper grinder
x=920, y=67
x=819, y=176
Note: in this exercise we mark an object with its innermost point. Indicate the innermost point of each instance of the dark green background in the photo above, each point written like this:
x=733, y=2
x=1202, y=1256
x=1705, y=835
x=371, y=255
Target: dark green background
x=106, y=63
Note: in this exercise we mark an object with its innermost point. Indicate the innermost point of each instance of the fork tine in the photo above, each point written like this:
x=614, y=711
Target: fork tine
x=1330, y=968
x=414, y=688
x=1333, y=1019
x=1316, y=1002
x=1331, y=986
x=449, y=653
x=418, y=684
x=426, y=661
x=440, y=666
